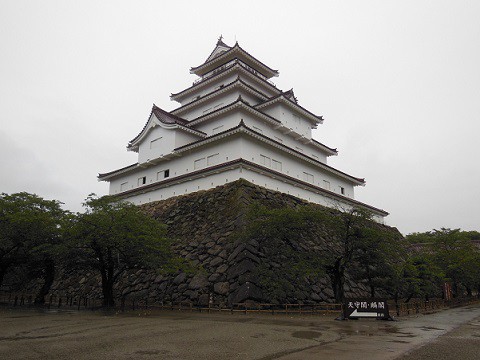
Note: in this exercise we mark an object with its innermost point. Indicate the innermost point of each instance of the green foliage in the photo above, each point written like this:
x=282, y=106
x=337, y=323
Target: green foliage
x=453, y=256
x=113, y=236
x=364, y=249
x=379, y=255
x=31, y=234
x=311, y=242
x=281, y=233
x=454, y=252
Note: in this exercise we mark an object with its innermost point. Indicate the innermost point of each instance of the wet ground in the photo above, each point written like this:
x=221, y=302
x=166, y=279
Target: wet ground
x=30, y=334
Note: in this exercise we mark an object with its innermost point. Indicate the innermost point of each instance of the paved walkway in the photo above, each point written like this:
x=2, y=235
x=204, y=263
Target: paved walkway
x=30, y=334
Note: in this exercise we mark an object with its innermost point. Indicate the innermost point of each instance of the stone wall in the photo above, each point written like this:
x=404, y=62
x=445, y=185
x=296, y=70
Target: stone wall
x=225, y=266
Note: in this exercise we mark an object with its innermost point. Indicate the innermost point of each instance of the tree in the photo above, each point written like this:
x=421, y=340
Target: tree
x=30, y=237
x=349, y=236
x=454, y=252
x=114, y=236
x=282, y=233
x=377, y=257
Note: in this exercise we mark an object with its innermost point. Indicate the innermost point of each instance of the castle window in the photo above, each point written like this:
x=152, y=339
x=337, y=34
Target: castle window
x=308, y=177
x=212, y=159
x=342, y=190
x=142, y=180
x=265, y=160
x=326, y=184
x=276, y=165
x=199, y=163
x=166, y=173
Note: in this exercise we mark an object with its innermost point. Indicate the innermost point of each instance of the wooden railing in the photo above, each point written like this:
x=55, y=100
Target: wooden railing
x=12, y=299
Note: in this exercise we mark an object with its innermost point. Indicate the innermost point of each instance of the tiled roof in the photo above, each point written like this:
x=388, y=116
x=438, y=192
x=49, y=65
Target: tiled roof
x=248, y=164
x=166, y=118
x=173, y=95
x=287, y=97
x=328, y=147
x=227, y=53
x=232, y=105
x=222, y=89
x=126, y=168
x=360, y=181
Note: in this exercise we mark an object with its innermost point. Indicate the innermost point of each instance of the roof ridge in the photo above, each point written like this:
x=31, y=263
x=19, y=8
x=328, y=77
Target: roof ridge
x=176, y=120
x=230, y=84
x=236, y=46
x=172, y=95
x=282, y=95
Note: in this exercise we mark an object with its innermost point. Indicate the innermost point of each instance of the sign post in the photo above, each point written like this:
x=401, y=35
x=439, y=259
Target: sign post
x=366, y=308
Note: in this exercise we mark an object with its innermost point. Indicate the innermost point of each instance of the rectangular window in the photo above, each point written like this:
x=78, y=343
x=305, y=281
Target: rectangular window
x=265, y=160
x=142, y=180
x=155, y=143
x=342, y=190
x=212, y=159
x=123, y=186
x=276, y=165
x=326, y=184
x=166, y=173
x=198, y=164
x=307, y=177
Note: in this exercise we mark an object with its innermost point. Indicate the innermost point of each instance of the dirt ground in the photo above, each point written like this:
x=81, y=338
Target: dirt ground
x=31, y=334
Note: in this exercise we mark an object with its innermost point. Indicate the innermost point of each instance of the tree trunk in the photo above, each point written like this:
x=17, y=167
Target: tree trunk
x=2, y=275
x=371, y=285
x=409, y=298
x=337, y=278
x=397, y=306
x=107, y=287
x=455, y=289
x=49, y=265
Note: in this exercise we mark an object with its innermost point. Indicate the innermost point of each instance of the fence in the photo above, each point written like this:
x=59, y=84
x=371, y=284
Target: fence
x=91, y=303
x=422, y=306
x=84, y=303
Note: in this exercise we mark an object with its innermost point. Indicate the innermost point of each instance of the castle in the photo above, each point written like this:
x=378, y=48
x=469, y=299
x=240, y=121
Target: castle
x=234, y=123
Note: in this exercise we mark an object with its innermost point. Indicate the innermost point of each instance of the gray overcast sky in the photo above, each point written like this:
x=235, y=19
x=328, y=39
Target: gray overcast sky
x=398, y=83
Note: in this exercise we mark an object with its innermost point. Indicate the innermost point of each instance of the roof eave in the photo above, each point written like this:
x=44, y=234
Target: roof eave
x=209, y=65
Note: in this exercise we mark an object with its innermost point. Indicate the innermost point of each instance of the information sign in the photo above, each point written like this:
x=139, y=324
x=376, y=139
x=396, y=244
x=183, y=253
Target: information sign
x=366, y=308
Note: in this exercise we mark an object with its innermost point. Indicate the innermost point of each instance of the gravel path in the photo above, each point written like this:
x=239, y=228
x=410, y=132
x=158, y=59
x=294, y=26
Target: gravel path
x=30, y=334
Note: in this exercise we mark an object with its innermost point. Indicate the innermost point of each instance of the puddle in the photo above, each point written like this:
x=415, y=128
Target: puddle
x=429, y=328
x=151, y=352
x=399, y=341
x=306, y=334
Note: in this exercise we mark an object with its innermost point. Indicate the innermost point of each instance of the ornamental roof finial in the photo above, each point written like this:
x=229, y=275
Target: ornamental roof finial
x=220, y=39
